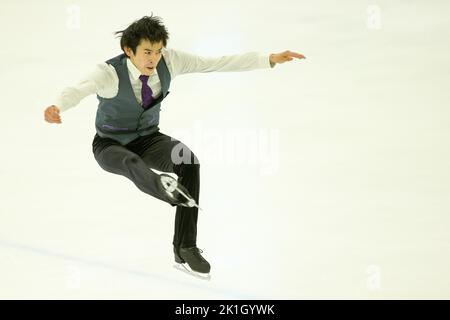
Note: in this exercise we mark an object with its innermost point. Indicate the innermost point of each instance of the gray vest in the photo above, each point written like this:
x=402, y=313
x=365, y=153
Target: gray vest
x=122, y=118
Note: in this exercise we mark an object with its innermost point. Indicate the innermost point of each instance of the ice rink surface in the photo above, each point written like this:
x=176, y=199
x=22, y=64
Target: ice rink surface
x=326, y=178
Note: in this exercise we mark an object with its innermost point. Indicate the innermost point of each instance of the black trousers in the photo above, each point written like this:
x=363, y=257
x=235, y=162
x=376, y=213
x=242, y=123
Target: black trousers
x=163, y=153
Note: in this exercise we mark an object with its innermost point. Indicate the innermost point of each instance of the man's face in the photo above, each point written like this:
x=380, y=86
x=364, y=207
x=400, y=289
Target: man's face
x=147, y=56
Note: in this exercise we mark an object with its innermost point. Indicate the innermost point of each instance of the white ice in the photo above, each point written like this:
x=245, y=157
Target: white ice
x=339, y=187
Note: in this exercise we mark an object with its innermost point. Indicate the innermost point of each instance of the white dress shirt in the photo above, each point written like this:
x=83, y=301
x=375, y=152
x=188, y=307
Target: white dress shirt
x=104, y=81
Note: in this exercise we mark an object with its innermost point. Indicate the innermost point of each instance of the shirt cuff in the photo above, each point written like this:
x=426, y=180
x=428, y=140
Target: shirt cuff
x=59, y=103
x=264, y=61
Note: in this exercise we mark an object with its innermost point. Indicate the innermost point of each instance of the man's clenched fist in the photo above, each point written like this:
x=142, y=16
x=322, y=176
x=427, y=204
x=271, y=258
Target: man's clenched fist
x=52, y=114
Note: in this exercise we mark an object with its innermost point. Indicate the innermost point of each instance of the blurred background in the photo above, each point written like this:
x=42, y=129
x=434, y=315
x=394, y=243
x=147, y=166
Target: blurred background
x=324, y=178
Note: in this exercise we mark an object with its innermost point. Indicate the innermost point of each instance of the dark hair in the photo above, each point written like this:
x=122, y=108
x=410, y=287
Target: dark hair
x=148, y=28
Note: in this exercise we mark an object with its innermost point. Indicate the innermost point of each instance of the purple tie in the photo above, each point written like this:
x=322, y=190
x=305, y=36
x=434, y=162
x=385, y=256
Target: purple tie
x=146, y=92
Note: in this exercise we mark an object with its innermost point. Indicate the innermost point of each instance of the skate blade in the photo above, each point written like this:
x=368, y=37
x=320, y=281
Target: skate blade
x=192, y=202
x=184, y=267
x=170, y=185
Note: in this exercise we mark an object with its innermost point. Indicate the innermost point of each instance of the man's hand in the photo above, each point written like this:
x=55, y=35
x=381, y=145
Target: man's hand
x=284, y=56
x=52, y=114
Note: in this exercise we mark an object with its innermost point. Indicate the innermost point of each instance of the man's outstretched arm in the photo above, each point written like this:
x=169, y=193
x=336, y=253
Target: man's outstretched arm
x=181, y=62
x=103, y=76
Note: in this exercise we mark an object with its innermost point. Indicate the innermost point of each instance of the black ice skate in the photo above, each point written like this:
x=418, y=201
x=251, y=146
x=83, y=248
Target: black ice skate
x=177, y=192
x=190, y=260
